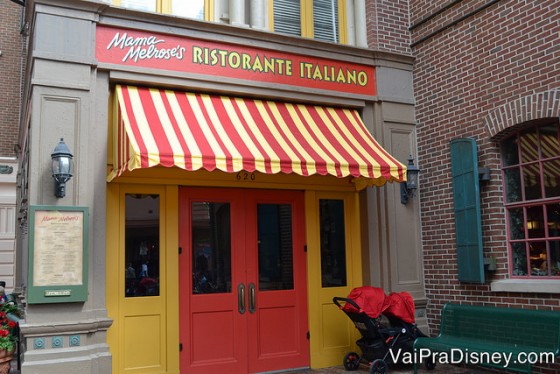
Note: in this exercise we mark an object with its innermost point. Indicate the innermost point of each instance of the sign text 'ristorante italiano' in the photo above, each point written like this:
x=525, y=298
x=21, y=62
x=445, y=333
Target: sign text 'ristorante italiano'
x=178, y=53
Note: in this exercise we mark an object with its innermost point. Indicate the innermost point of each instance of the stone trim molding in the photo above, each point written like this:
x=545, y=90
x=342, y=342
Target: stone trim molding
x=526, y=285
x=513, y=114
x=51, y=329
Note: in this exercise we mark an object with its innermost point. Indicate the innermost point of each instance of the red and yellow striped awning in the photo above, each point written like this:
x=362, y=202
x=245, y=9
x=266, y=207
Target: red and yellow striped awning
x=193, y=131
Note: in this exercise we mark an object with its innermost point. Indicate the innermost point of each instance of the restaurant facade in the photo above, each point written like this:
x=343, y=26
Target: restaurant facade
x=227, y=183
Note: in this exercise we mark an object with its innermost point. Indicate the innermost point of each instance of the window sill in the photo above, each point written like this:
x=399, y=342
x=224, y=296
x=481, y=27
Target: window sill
x=526, y=285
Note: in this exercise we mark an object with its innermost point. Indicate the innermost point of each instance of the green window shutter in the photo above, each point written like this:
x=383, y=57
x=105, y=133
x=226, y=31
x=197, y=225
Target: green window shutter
x=466, y=202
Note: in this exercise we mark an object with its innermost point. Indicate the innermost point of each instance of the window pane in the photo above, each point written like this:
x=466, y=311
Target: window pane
x=510, y=153
x=532, y=181
x=188, y=9
x=519, y=256
x=555, y=258
x=535, y=222
x=551, y=178
x=211, y=247
x=529, y=147
x=553, y=219
x=512, y=185
x=325, y=20
x=516, y=224
x=539, y=263
x=333, y=243
x=287, y=17
x=549, y=141
x=275, y=247
x=144, y=5
x=141, y=245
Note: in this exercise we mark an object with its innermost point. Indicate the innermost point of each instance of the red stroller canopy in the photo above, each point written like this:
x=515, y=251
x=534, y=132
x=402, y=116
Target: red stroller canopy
x=373, y=302
x=401, y=306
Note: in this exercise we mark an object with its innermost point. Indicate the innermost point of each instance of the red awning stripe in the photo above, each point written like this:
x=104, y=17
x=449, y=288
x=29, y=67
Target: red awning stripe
x=193, y=131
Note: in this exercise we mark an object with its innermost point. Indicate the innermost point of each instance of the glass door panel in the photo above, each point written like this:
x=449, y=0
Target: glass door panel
x=333, y=243
x=275, y=250
x=211, y=247
x=142, y=256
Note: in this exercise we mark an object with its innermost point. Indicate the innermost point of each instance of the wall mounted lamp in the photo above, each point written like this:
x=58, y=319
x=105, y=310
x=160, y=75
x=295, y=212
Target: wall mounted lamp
x=61, y=167
x=409, y=187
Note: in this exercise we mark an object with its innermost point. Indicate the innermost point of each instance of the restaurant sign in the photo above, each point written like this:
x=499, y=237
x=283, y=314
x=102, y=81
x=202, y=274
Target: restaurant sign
x=179, y=53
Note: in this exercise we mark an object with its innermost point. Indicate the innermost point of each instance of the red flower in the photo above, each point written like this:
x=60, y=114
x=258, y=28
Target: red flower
x=4, y=333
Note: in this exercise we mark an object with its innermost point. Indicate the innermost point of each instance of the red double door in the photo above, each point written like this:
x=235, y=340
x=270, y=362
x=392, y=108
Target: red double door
x=243, y=304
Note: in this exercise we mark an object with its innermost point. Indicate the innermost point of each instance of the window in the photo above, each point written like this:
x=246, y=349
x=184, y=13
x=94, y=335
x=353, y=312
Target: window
x=142, y=255
x=318, y=19
x=275, y=246
x=333, y=243
x=323, y=20
x=197, y=9
x=531, y=174
x=211, y=247
x=143, y=5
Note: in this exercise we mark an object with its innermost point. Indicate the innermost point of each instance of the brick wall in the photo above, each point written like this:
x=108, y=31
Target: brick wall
x=11, y=46
x=387, y=25
x=507, y=51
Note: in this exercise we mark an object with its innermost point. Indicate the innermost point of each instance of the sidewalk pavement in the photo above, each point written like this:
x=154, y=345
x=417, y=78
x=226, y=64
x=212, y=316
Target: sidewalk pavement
x=440, y=369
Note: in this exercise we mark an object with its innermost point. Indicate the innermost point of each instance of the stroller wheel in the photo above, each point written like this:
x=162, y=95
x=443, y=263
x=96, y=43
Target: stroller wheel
x=378, y=367
x=351, y=361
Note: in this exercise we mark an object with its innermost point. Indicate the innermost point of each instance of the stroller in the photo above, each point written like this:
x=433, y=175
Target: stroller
x=366, y=307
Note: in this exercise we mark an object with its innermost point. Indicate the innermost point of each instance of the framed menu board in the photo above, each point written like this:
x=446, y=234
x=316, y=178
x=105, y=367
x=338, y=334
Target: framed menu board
x=58, y=253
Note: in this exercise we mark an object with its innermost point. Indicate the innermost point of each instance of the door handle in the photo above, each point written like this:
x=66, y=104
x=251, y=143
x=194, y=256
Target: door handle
x=252, y=299
x=241, y=298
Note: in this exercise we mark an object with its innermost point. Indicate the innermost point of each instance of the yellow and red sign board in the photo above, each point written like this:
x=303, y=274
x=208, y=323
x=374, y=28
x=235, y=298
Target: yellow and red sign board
x=144, y=49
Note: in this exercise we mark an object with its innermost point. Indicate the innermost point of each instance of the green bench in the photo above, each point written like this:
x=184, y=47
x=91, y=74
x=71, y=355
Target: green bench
x=492, y=336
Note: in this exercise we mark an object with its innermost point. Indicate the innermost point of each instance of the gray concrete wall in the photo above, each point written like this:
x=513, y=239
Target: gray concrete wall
x=67, y=337
x=395, y=246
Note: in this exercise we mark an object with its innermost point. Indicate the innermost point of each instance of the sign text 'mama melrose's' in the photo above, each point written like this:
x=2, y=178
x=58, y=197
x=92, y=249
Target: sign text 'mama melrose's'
x=152, y=50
